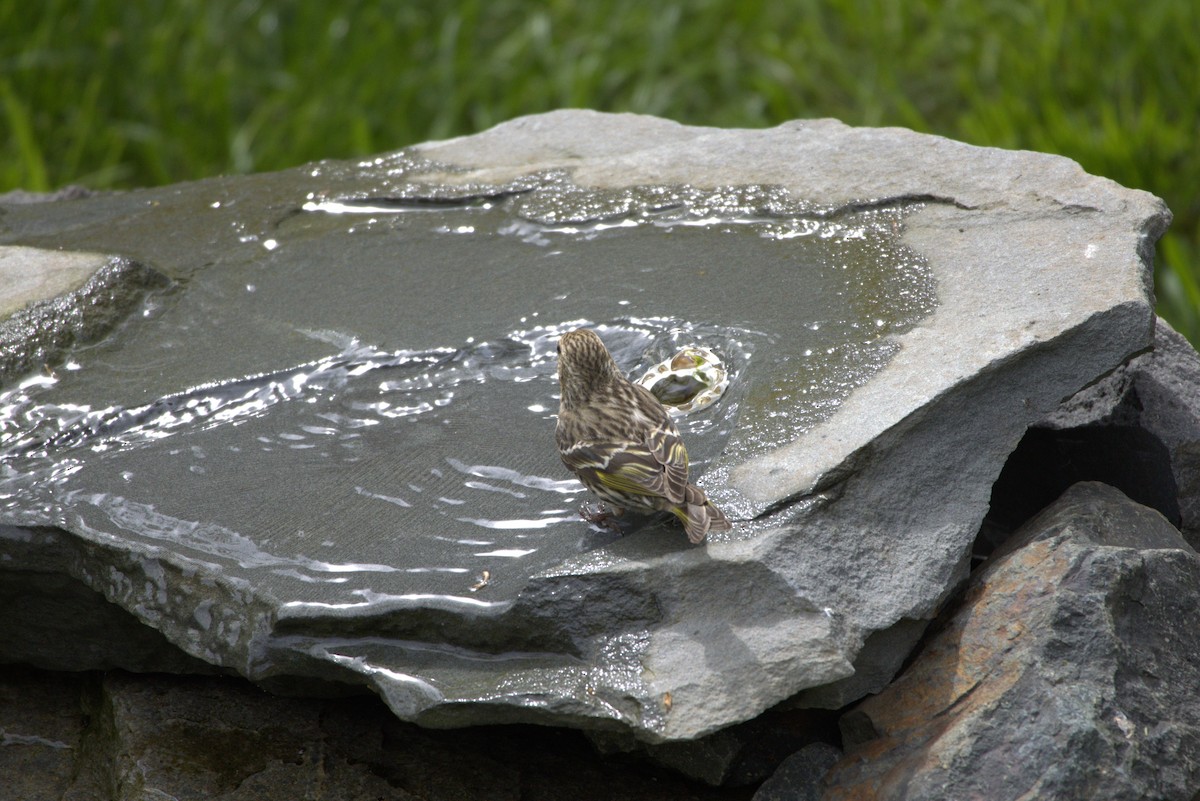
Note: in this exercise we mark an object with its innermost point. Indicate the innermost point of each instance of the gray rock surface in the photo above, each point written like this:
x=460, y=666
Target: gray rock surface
x=1068, y=670
x=42, y=739
x=972, y=290
x=801, y=776
x=125, y=737
x=53, y=301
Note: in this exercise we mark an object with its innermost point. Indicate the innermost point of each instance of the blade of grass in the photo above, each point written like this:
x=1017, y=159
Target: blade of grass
x=32, y=172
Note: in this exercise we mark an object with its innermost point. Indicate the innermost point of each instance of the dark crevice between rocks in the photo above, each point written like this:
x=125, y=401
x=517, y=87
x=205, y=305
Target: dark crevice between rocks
x=1049, y=460
x=740, y=756
x=96, y=754
x=57, y=622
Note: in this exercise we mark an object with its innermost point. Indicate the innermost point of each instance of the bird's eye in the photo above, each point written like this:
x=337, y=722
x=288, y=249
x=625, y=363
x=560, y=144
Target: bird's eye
x=558, y=347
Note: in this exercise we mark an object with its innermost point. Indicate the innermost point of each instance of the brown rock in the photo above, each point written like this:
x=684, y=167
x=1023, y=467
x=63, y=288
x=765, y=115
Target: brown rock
x=1067, y=670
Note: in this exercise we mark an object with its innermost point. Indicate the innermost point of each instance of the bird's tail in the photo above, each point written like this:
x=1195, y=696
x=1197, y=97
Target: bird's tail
x=699, y=516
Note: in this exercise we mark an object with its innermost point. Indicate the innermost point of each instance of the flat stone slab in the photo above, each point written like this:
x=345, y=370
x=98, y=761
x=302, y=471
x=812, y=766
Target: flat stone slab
x=53, y=300
x=326, y=454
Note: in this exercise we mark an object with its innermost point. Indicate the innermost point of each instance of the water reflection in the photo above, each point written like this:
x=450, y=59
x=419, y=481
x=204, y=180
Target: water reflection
x=380, y=472
x=256, y=447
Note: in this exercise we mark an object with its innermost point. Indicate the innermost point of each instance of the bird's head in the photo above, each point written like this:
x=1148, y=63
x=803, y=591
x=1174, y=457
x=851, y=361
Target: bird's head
x=584, y=366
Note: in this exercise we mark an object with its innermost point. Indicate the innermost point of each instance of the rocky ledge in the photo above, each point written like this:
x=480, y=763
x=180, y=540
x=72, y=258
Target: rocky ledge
x=928, y=343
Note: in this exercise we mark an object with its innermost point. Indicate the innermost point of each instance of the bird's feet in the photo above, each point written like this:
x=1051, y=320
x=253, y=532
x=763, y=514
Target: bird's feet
x=601, y=514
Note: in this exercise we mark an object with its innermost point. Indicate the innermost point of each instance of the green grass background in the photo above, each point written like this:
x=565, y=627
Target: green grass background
x=120, y=93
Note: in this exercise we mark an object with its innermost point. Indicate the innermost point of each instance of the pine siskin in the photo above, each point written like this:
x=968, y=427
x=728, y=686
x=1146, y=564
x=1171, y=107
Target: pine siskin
x=620, y=441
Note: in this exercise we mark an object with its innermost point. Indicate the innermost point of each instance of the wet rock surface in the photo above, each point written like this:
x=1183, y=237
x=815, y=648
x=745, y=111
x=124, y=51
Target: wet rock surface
x=54, y=301
x=299, y=465
x=1067, y=670
x=322, y=455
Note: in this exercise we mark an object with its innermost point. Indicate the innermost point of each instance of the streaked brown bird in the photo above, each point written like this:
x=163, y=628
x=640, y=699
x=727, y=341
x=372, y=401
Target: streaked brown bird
x=620, y=441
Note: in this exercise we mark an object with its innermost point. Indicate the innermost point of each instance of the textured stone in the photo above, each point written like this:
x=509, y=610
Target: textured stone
x=56, y=621
x=51, y=301
x=909, y=459
x=801, y=776
x=124, y=737
x=1067, y=670
x=183, y=498
x=42, y=739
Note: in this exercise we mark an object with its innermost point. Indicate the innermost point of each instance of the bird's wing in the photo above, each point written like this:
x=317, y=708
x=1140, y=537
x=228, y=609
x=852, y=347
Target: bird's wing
x=628, y=468
x=657, y=466
x=663, y=442
x=665, y=447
